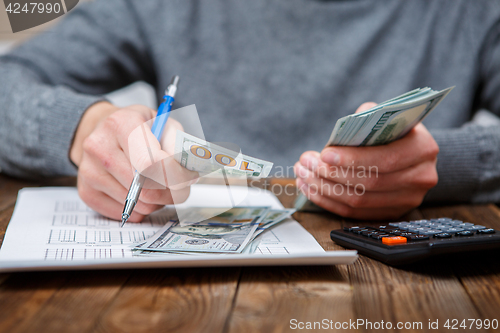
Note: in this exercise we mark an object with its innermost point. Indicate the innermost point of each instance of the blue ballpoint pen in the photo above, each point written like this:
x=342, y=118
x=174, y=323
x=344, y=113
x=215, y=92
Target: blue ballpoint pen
x=157, y=129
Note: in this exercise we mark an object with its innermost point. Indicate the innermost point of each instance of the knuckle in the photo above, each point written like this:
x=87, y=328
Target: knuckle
x=390, y=161
x=428, y=180
x=91, y=145
x=112, y=122
x=432, y=149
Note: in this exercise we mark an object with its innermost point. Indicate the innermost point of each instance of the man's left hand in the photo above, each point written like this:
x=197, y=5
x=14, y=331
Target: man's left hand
x=378, y=182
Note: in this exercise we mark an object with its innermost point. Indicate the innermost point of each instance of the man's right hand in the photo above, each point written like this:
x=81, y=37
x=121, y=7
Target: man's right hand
x=102, y=153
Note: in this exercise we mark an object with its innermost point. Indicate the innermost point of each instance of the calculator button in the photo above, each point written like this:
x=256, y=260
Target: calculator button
x=394, y=240
x=359, y=231
x=367, y=233
x=444, y=219
x=471, y=227
x=486, y=231
x=442, y=227
x=443, y=235
x=430, y=232
x=386, y=227
x=476, y=227
x=455, y=222
x=379, y=236
x=465, y=233
x=418, y=237
x=398, y=224
x=455, y=230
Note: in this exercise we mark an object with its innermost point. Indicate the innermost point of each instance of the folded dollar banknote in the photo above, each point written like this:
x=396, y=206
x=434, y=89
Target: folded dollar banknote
x=382, y=124
x=205, y=157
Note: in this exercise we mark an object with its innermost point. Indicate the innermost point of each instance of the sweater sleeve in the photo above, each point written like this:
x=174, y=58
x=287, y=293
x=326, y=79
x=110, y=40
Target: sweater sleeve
x=469, y=158
x=47, y=84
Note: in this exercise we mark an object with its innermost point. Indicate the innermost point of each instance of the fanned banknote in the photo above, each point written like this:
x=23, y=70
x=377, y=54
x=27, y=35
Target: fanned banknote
x=232, y=231
x=224, y=216
x=205, y=157
x=273, y=217
x=387, y=121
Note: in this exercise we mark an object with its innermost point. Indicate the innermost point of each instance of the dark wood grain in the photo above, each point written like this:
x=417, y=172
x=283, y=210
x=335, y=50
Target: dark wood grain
x=258, y=299
x=183, y=300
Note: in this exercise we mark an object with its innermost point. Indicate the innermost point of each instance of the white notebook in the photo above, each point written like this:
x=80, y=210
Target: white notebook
x=52, y=229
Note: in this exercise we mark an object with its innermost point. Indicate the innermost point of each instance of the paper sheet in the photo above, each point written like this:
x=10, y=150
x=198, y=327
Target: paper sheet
x=53, y=225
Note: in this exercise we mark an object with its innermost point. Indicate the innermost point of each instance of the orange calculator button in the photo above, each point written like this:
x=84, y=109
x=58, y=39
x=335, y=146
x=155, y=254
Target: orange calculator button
x=394, y=240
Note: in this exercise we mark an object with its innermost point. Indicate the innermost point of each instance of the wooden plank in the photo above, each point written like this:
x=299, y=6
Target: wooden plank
x=269, y=299
x=172, y=300
x=77, y=304
x=22, y=295
x=427, y=292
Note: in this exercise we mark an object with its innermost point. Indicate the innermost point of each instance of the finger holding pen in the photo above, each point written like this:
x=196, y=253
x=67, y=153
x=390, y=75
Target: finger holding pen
x=101, y=152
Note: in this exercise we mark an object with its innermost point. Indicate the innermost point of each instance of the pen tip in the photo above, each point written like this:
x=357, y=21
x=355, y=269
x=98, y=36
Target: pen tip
x=124, y=220
x=175, y=80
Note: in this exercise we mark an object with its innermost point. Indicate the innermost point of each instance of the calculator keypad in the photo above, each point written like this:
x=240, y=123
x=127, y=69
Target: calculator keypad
x=413, y=231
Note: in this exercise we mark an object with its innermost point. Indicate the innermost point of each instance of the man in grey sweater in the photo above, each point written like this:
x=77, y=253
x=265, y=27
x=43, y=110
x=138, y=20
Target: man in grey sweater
x=270, y=76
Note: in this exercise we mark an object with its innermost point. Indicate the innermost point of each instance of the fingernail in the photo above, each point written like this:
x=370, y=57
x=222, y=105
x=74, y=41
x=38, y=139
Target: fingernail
x=302, y=172
x=331, y=158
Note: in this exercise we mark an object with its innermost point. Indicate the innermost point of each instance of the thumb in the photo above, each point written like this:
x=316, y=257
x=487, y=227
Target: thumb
x=365, y=106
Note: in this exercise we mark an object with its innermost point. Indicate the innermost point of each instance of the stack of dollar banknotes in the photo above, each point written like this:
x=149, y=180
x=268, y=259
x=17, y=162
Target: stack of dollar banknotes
x=232, y=231
x=382, y=124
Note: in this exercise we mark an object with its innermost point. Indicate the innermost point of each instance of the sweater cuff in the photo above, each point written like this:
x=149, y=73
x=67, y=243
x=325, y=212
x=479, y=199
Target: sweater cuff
x=59, y=124
x=466, y=159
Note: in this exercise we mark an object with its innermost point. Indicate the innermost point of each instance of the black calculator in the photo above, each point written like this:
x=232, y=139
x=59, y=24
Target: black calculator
x=406, y=242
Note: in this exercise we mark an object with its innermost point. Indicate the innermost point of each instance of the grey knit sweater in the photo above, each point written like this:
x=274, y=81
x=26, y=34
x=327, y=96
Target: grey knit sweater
x=271, y=76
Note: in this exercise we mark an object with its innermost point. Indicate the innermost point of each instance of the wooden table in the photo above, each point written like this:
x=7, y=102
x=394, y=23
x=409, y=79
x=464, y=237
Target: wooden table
x=266, y=299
